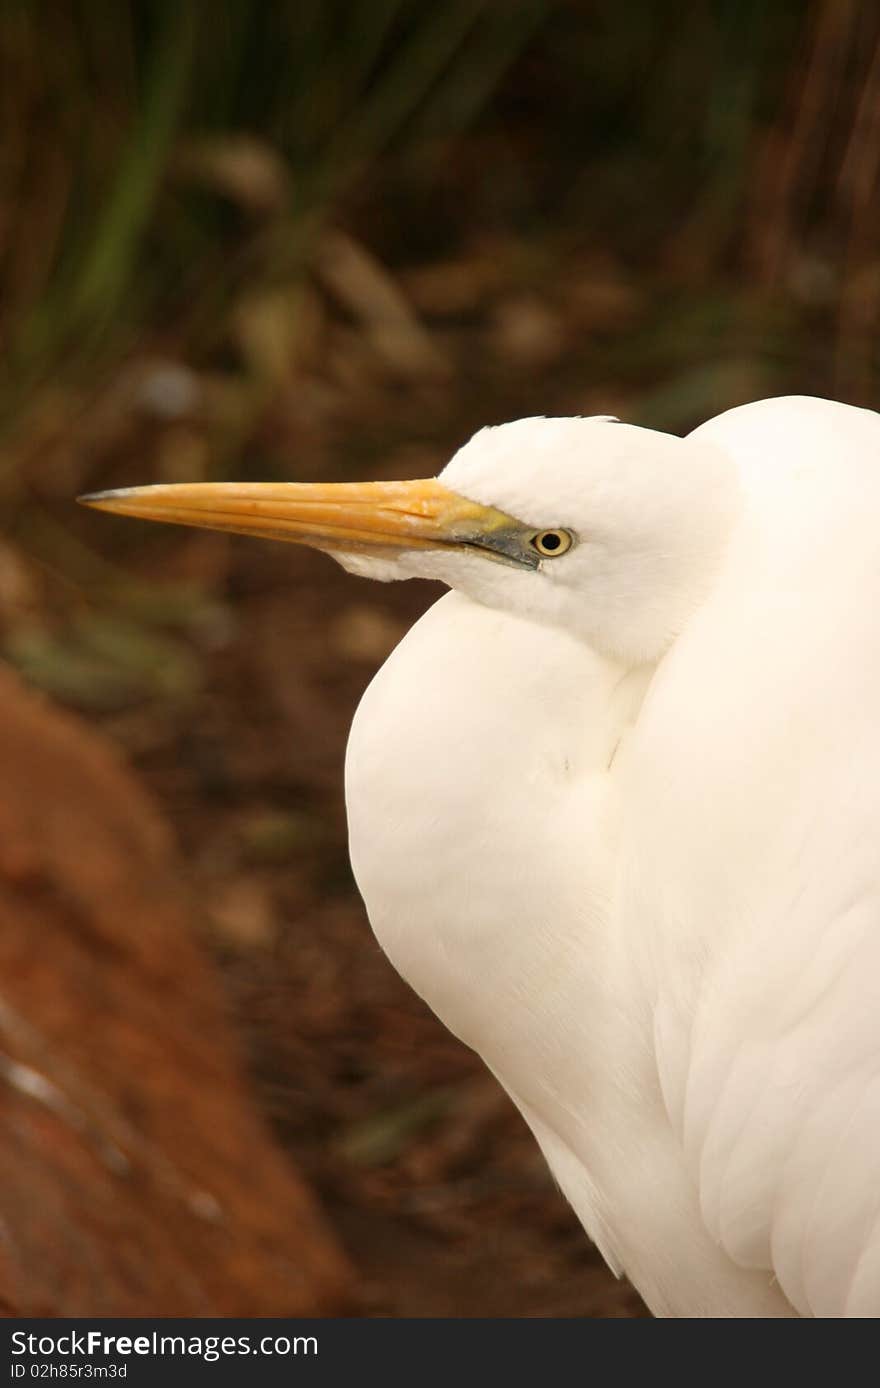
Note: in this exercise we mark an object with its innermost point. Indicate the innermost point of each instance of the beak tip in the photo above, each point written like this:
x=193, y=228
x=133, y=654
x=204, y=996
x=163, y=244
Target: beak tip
x=102, y=501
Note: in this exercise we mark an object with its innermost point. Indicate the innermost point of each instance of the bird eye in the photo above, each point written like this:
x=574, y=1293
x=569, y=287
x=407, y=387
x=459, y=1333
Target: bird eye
x=551, y=543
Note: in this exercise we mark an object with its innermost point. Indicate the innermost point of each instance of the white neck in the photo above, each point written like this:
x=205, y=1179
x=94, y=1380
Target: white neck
x=445, y=816
x=443, y=838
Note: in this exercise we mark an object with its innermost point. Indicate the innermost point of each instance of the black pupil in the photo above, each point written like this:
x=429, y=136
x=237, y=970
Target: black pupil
x=551, y=540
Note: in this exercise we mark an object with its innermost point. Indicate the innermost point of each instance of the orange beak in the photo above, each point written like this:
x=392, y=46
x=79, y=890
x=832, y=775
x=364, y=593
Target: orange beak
x=346, y=517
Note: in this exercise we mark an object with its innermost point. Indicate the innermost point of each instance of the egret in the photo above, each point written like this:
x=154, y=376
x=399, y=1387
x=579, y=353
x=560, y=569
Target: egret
x=614, y=810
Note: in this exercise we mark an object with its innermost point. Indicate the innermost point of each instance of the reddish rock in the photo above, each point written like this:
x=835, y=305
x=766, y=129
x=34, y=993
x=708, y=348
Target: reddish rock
x=135, y=1175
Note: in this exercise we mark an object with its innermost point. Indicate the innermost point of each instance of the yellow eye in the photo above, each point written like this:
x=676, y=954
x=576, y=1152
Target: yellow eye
x=551, y=543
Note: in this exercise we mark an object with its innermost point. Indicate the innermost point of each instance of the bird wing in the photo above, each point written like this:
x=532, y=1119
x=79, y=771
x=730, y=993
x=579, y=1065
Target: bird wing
x=754, y=818
x=772, y=1080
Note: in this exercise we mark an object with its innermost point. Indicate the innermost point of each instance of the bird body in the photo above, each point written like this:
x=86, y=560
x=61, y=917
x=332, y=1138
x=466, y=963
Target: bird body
x=645, y=985
x=613, y=808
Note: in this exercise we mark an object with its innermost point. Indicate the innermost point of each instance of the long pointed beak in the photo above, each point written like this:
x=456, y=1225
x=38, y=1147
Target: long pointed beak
x=346, y=517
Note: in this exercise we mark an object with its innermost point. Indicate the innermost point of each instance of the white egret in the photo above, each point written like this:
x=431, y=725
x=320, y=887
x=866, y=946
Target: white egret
x=614, y=809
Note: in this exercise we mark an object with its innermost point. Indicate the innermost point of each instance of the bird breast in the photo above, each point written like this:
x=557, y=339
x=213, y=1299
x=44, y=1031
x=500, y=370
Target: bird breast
x=481, y=804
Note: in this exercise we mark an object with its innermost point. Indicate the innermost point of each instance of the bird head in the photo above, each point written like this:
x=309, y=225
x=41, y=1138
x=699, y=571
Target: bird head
x=608, y=530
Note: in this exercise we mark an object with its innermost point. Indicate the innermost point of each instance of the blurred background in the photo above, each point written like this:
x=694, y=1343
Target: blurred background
x=328, y=239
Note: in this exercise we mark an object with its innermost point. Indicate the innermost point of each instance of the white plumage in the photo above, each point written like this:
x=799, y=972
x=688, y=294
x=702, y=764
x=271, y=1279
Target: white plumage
x=614, y=813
